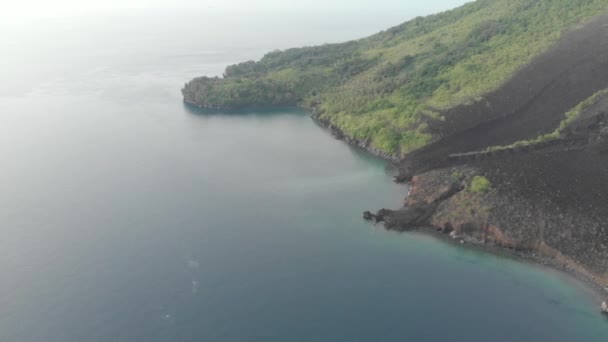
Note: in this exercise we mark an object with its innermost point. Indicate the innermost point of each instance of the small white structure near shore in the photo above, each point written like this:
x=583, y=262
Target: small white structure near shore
x=605, y=307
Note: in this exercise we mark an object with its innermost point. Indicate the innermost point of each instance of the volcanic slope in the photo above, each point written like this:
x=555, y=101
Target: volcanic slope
x=532, y=103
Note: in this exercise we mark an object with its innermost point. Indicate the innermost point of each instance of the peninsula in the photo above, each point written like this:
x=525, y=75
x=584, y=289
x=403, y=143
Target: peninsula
x=496, y=112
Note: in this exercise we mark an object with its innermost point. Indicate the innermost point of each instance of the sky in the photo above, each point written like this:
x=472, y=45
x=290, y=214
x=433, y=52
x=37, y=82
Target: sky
x=23, y=9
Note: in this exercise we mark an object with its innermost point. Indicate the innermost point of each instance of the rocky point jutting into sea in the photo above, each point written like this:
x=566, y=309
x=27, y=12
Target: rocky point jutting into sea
x=523, y=166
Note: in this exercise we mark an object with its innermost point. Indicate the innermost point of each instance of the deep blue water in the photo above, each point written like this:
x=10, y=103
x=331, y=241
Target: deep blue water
x=128, y=217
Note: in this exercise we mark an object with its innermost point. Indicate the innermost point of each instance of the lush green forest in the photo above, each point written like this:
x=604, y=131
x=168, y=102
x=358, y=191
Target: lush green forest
x=386, y=88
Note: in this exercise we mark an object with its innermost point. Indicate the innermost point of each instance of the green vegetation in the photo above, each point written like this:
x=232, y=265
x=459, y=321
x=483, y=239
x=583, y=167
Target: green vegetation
x=480, y=184
x=570, y=117
x=458, y=176
x=522, y=143
x=580, y=108
x=387, y=88
x=464, y=207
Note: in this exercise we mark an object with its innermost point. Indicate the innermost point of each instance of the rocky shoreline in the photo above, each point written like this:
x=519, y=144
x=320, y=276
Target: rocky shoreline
x=442, y=203
x=599, y=292
x=339, y=134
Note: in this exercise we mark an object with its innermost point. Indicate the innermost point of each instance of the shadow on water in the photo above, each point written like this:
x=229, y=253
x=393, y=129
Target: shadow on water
x=269, y=112
x=390, y=168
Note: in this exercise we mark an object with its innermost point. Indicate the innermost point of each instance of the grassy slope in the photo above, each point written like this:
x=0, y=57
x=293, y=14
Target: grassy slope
x=386, y=88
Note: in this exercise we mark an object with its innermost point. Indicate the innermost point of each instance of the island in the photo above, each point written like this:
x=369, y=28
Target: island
x=495, y=112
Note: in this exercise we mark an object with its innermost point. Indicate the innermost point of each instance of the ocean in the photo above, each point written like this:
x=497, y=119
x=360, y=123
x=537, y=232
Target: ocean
x=128, y=216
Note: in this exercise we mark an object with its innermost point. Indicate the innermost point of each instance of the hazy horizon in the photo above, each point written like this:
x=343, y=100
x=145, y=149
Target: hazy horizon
x=36, y=9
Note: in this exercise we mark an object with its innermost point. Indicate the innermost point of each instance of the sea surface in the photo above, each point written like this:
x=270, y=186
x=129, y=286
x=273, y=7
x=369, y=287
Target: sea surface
x=127, y=216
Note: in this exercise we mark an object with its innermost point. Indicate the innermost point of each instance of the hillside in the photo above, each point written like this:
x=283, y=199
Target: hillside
x=396, y=91
x=545, y=198
x=539, y=144
x=532, y=104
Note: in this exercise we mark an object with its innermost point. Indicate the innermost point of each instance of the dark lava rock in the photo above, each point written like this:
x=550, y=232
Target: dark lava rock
x=368, y=216
x=408, y=218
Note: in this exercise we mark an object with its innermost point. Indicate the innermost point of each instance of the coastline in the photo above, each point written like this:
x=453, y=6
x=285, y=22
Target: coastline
x=335, y=131
x=595, y=289
x=339, y=134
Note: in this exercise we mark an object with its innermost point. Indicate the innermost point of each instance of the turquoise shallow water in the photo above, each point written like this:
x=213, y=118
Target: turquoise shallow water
x=128, y=217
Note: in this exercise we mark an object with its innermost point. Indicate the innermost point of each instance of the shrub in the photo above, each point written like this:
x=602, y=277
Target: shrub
x=480, y=184
x=458, y=176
